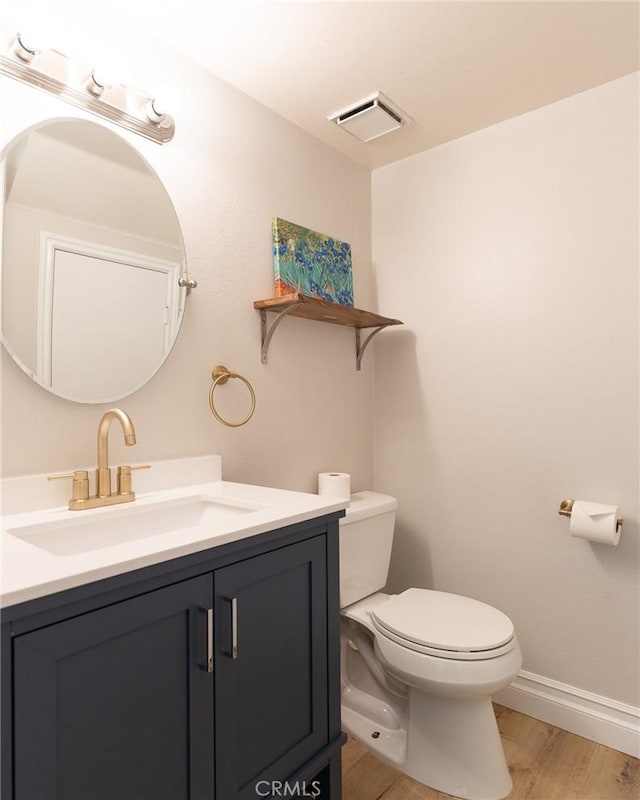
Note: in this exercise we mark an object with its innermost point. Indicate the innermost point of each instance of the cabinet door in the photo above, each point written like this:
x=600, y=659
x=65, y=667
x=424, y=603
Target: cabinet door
x=117, y=704
x=271, y=689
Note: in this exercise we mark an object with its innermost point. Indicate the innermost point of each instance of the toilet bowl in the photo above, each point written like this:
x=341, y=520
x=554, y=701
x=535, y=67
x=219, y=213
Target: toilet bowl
x=418, y=669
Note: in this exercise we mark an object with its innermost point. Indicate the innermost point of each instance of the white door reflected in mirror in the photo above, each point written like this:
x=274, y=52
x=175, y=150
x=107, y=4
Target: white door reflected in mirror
x=128, y=299
x=91, y=257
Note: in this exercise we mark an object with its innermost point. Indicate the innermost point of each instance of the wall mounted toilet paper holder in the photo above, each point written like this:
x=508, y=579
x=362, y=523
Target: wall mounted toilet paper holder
x=566, y=507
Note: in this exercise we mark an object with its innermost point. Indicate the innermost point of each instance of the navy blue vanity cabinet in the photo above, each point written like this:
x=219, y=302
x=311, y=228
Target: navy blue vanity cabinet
x=114, y=704
x=214, y=675
x=271, y=666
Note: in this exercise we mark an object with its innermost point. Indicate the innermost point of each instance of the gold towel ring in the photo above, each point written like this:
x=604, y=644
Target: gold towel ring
x=220, y=376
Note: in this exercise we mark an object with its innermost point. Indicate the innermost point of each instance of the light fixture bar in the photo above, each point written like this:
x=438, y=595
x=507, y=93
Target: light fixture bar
x=160, y=129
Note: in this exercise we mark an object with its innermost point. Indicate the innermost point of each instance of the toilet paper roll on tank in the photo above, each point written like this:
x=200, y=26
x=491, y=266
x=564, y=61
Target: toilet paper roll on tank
x=595, y=522
x=335, y=484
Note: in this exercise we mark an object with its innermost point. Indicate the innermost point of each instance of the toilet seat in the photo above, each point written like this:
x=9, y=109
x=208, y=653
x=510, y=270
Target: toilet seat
x=444, y=625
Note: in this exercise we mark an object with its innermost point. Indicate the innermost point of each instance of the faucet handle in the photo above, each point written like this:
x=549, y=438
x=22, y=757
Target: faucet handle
x=124, y=477
x=80, y=485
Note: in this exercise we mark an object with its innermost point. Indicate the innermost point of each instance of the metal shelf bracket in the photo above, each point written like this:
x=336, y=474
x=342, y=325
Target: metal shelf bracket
x=267, y=332
x=361, y=346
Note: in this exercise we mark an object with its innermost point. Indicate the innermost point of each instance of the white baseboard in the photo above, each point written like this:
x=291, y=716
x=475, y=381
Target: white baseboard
x=592, y=716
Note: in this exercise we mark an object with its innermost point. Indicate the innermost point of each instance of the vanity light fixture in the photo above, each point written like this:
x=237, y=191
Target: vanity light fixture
x=53, y=72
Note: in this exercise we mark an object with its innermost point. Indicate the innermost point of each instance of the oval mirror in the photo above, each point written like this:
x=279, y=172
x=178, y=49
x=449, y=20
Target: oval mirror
x=92, y=254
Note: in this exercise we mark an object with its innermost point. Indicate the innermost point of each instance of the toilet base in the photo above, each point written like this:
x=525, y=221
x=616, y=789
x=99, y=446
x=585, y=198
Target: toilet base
x=388, y=743
x=455, y=749
x=454, y=746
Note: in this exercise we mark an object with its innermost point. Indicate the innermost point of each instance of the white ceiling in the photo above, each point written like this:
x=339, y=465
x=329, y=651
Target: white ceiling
x=453, y=67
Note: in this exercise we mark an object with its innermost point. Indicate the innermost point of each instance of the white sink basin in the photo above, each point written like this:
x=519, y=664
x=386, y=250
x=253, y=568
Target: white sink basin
x=121, y=524
x=182, y=507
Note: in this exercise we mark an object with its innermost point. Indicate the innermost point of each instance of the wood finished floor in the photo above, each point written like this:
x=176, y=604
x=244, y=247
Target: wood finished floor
x=546, y=763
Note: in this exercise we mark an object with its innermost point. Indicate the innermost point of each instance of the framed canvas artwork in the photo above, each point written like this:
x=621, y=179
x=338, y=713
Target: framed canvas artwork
x=311, y=263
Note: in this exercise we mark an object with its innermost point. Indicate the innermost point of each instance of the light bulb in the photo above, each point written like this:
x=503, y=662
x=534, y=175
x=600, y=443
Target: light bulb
x=154, y=112
x=94, y=84
x=105, y=77
x=167, y=99
x=26, y=47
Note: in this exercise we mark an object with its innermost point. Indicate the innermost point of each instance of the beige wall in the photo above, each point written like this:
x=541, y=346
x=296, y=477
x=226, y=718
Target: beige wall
x=231, y=167
x=512, y=257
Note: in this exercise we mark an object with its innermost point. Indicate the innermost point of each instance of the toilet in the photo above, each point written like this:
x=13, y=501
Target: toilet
x=419, y=668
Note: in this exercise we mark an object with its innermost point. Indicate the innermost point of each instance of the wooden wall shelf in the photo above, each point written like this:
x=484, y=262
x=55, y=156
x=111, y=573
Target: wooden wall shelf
x=301, y=305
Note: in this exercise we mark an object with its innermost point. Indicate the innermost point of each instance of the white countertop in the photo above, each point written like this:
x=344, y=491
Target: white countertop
x=29, y=571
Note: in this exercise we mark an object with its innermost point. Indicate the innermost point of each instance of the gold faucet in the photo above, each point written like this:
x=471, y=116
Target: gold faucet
x=80, y=498
x=103, y=472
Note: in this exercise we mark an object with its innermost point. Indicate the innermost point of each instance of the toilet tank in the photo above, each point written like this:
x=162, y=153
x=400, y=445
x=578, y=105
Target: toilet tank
x=366, y=535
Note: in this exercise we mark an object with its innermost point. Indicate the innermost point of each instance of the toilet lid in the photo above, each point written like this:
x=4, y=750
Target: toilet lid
x=444, y=621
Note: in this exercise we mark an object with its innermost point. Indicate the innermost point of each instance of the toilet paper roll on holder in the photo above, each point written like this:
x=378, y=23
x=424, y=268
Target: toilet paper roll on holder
x=566, y=507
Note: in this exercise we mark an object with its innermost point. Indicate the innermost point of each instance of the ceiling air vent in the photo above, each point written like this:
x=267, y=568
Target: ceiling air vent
x=370, y=118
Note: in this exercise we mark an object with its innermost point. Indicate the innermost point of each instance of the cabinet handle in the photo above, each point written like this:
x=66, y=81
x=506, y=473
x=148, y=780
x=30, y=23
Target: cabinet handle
x=209, y=640
x=234, y=627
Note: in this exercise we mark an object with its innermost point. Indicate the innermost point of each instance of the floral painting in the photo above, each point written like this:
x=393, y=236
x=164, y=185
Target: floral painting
x=311, y=263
